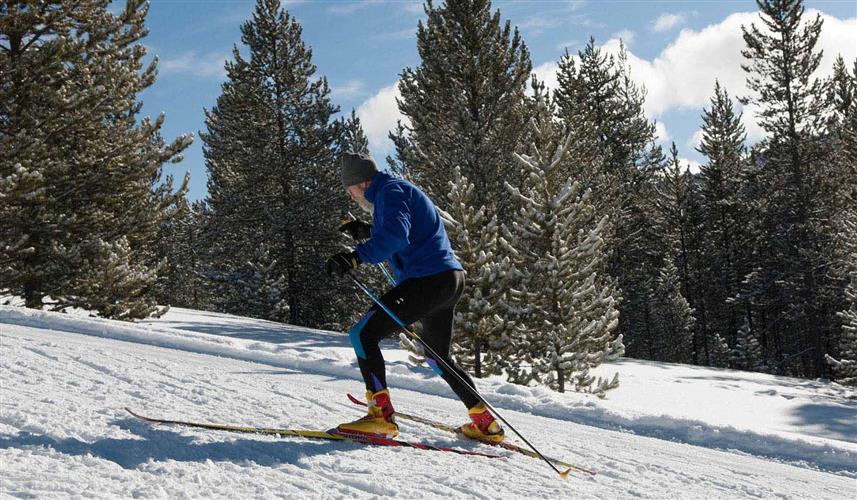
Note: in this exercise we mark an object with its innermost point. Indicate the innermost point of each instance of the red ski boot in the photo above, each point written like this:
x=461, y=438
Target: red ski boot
x=483, y=426
x=380, y=421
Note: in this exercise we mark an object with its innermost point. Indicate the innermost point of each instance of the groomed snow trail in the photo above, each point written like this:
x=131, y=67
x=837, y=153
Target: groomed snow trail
x=63, y=430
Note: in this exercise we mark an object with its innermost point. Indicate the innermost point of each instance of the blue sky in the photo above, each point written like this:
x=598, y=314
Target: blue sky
x=676, y=50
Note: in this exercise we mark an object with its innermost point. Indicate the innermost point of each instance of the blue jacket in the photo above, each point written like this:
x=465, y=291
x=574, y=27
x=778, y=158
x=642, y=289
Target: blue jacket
x=406, y=230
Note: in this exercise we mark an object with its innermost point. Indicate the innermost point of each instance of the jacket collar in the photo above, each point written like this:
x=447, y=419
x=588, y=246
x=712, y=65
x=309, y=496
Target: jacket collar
x=376, y=183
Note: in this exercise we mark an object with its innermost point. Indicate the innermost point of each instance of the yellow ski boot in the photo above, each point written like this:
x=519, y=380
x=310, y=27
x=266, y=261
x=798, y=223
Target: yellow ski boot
x=380, y=421
x=483, y=426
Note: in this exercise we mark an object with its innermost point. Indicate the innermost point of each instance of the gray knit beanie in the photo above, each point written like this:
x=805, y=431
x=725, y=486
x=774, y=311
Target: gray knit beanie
x=356, y=168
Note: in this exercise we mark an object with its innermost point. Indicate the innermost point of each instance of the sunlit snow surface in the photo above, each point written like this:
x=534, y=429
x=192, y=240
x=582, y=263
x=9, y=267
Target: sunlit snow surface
x=669, y=431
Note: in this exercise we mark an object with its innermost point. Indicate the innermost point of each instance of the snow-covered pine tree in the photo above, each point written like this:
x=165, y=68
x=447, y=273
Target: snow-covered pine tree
x=673, y=314
x=676, y=201
x=747, y=353
x=844, y=363
x=69, y=120
x=274, y=191
x=791, y=285
x=182, y=244
x=727, y=222
x=463, y=102
x=843, y=96
x=481, y=324
x=719, y=353
x=595, y=91
x=352, y=138
x=20, y=186
x=567, y=302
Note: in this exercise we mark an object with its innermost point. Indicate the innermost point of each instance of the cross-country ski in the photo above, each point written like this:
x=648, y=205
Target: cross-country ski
x=330, y=435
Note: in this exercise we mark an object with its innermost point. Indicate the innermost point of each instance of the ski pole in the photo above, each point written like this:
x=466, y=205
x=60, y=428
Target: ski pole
x=387, y=273
x=362, y=286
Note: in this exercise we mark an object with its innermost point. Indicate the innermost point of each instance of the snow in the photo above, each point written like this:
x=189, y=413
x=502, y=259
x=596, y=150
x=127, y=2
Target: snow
x=668, y=431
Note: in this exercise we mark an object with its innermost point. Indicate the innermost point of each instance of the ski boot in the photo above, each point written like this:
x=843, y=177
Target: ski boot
x=380, y=421
x=483, y=426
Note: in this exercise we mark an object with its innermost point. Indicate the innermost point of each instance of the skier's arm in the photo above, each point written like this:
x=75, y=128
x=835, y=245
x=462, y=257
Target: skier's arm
x=391, y=228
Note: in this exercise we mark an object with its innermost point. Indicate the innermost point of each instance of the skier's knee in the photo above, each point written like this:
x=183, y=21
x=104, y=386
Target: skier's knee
x=356, y=333
x=434, y=366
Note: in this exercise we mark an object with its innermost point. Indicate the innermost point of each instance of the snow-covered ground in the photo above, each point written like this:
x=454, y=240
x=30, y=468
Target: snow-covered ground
x=669, y=431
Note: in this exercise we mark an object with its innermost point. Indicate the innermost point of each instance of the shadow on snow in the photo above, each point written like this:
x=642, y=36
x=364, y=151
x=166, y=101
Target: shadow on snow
x=831, y=421
x=160, y=444
x=271, y=333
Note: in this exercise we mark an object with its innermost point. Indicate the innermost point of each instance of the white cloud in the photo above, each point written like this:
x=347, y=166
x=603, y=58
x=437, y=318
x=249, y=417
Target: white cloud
x=692, y=164
x=680, y=77
x=378, y=116
x=546, y=73
x=202, y=65
x=626, y=36
x=666, y=22
x=696, y=139
x=662, y=135
x=683, y=74
x=348, y=89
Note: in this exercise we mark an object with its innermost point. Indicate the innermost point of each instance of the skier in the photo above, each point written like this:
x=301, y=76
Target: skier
x=408, y=232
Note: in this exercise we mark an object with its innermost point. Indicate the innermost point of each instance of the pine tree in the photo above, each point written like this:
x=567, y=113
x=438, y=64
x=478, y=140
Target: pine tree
x=480, y=325
x=673, y=314
x=727, y=215
x=463, y=102
x=673, y=311
x=791, y=283
x=567, y=304
x=87, y=197
x=274, y=193
x=747, y=353
x=352, y=139
x=597, y=93
x=20, y=187
x=845, y=363
x=842, y=94
x=181, y=244
x=719, y=353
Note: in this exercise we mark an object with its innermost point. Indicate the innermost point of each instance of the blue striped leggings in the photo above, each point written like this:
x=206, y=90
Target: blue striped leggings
x=431, y=301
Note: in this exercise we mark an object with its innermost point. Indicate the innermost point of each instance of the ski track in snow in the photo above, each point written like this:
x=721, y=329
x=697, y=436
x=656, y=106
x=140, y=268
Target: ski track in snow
x=64, y=382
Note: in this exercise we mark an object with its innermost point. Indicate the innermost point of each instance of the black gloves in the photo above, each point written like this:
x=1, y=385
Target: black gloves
x=357, y=229
x=342, y=263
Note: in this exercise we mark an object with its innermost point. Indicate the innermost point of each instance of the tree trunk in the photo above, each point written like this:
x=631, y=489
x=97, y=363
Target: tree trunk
x=477, y=357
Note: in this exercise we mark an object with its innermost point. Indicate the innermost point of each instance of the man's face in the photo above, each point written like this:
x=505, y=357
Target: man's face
x=356, y=192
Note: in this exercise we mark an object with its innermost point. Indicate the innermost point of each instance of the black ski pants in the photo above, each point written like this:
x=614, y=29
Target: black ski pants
x=431, y=301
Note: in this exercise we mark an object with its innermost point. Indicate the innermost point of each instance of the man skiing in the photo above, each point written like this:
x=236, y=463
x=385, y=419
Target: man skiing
x=408, y=232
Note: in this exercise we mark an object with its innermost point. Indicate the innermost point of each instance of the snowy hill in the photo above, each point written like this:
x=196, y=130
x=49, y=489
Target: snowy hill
x=669, y=431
